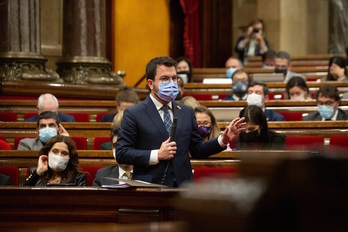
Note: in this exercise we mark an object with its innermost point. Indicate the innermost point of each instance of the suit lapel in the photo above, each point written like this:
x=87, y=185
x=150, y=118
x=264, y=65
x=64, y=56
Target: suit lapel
x=154, y=117
x=178, y=115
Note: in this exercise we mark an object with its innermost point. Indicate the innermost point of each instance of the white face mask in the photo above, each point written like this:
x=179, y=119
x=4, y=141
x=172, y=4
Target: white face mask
x=57, y=163
x=254, y=99
x=298, y=98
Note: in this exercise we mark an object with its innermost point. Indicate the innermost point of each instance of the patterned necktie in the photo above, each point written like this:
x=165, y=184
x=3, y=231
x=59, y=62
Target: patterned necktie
x=166, y=119
x=128, y=175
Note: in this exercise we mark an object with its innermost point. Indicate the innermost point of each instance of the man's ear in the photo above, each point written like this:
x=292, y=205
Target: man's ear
x=38, y=111
x=150, y=83
x=37, y=132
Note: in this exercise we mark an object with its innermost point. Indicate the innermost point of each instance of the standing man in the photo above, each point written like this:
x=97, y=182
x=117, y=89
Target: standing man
x=48, y=102
x=144, y=141
x=282, y=65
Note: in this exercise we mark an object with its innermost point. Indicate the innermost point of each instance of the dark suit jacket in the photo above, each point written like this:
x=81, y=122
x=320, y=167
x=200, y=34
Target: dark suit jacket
x=108, y=118
x=341, y=115
x=143, y=130
x=246, y=48
x=5, y=180
x=273, y=116
x=111, y=171
x=62, y=118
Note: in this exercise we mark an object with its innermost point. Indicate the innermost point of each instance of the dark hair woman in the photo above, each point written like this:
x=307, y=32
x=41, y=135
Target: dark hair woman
x=337, y=69
x=57, y=164
x=256, y=134
x=297, y=90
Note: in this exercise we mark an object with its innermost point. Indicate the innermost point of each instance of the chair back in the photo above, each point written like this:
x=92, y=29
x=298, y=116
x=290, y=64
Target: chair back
x=8, y=116
x=200, y=173
x=98, y=141
x=311, y=143
x=80, y=142
x=90, y=172
x=338, y=145
x=80, y=117
x=12, y=172
x=292, y=116
x=29, y=115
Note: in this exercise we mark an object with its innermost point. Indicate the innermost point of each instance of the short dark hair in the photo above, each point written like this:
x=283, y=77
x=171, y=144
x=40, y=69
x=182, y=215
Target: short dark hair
x=296, y=81
x=340, y=61
x=255, y=21
x=187, y=60
x=283, y=55
x=47, y=115
x=127, y=95
x=263, y=84
x=151, y=67
x=242, y=71
x=329, y=91
x=270, y=55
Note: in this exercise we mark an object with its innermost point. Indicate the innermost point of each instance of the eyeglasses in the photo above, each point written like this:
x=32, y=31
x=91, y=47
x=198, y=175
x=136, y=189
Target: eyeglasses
x=327, y=103
x=205, y=124
x=166, y=80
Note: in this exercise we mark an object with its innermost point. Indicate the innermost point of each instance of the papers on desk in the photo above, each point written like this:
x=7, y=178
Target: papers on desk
x=122, y=184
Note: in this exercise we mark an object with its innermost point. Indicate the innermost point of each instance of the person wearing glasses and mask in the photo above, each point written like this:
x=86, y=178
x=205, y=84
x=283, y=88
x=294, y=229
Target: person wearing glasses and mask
x=119, y=171
x=144, y=137
x=48, y=126
x=207, y=125
x=240, y=83
x=57, y=165
x=328, y=100
x=256, y=134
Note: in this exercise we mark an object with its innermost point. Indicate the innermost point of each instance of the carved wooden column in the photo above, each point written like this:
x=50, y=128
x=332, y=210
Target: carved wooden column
x=84, y=44
x=20, y=46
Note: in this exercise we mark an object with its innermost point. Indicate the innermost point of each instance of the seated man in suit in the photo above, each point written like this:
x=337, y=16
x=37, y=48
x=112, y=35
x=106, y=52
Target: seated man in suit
x=5, y=180
x=48, y=102
x=240, y=82
x=232, y=64
x=258, y=95
x=144, y=136
x=124, y=99
x=282, y=65
x=48, y=126
x=328, y=100
x=120, y=171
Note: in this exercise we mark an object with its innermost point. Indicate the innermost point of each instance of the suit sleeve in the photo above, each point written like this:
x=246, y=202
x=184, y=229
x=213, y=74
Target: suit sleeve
x=23, y=146
x=96, y=181
x=126, y=145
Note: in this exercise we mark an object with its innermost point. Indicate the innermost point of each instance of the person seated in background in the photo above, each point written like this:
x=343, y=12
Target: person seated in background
x=232, y=64
x=282, y=65
x=184, y=69
x=58, y=162
x=328, y=100
x=258, y=95
x=120, y=171
x=256, y=134
x=337, y=69
x=48, y=102
x=268, y=60
x=48, y=126
x=115, y=126
x=5, y=180
x=125, y=98
x=240, y=82
x=190, y=101
x=297, y=90
x=4, y=145
x=181, y=89
x=253, y=43
x=207, y=124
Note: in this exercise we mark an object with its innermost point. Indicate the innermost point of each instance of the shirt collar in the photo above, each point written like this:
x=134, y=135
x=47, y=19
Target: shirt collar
x=158, y=104
x=121, y=172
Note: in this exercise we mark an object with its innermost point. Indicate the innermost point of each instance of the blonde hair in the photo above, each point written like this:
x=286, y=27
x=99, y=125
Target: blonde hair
x=116, y=123
x=190, y=101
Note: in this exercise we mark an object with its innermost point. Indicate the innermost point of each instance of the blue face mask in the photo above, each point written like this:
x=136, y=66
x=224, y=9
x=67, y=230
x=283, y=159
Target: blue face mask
x=47, y=133
x=326, y=111
x=239, y=87
x=167, y=92
x=230, y=72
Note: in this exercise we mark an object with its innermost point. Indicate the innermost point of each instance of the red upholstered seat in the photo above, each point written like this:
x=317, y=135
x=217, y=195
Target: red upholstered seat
x=12, y=172
x=338, y=144
x=90, y=172
x=212, y=172
x=312, y=143
x=200, y=96
x=292, y=116
x=100, y=115
x=80, y=142
x=18, y=139
x=29, y=115
x=80, y=117
x=98, y=141
x=8, y=116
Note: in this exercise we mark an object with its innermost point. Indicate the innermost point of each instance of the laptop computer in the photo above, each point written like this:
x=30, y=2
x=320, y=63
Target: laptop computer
x=268, y=77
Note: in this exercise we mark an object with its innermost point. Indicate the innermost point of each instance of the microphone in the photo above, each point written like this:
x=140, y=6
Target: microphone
x=173, y=130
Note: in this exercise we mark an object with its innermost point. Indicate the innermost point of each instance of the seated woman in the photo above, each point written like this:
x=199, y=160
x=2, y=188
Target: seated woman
x=57, y=164
x=256, y=134
x=337, y=70
x=207, y=125
x=297, y=90
x=184, y=69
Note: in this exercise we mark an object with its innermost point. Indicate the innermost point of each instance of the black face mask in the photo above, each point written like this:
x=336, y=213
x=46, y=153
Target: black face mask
x=284, y=71
x=250, y=137
x=239, y=87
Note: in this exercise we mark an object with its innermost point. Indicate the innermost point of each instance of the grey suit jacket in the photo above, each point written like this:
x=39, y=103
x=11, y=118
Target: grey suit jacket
x=290, y=75
x=341, y=115
x=111, y=171
x=30, y=144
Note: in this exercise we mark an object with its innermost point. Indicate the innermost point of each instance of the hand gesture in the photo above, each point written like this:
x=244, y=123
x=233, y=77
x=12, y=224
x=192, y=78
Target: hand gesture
x=232, y=130
x=42, y=165
x=62, y=131
x=167, y=150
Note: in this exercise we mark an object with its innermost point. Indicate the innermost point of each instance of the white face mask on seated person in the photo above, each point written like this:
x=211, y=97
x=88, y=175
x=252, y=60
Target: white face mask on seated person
x=254, y=99
x=57, y=163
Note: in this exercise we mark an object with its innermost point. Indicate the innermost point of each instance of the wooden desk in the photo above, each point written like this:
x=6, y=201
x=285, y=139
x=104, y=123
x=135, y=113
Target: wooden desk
x=33, y=206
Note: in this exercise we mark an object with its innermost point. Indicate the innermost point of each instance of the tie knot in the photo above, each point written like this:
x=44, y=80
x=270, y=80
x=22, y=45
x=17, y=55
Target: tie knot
x=165, y=108
x=128, y=175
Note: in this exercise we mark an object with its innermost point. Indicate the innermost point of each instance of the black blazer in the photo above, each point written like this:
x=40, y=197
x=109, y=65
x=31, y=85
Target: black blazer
x=143, y=130
x=111, y=171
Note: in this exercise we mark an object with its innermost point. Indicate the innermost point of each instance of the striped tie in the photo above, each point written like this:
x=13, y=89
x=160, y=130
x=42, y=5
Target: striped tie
x=166, y=119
